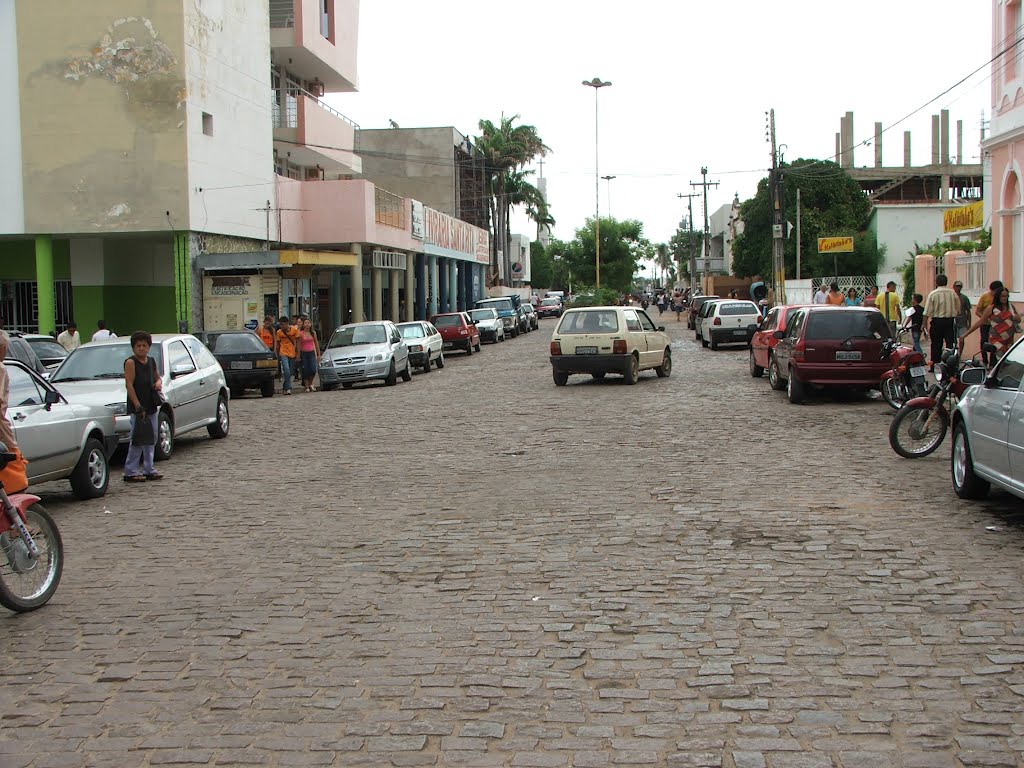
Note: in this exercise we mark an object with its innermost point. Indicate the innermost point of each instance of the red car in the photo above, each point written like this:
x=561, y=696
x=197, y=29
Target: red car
x=694, y=307
x=458, y=331
x=829, y=346
x=764, y=341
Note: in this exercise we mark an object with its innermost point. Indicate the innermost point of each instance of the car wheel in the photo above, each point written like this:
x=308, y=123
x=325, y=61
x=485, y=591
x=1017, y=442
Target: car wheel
x=714, y=343
x=392, y=378
x=704, y=342
x=91, y=475
x=219, y=429
x=665, y=369
x=164, y=437
x=407, y=373
x=632, y=370
x=755, y=370
x=598, y=375
x=440, y=360
x=560, y=377
x=966, y=484
x=469, y=348
x=326, y=387
x=267, y=388
x=696, y=335
x=794, y=389
x=347, y=385
x=775, y=379
x=426, y=365
x=479, y=346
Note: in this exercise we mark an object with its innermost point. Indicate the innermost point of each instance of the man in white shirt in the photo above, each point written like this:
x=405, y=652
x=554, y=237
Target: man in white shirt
x=103, y=333
x=70, y=338
x=821, y=297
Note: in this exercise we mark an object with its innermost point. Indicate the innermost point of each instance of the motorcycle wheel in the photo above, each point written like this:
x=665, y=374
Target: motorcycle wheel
x=27, y=584
x=912, y=437
x=894, y=392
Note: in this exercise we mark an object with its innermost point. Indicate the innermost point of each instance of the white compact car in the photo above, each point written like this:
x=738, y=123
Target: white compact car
x=425, y=344
x=489, y=324
x=728, y=322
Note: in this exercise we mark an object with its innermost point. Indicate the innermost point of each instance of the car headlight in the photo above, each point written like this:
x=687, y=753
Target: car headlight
x=416, y=348
x=119, y=409
x=376, y=358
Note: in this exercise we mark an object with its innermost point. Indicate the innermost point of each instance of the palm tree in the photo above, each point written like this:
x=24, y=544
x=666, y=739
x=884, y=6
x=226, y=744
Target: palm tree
x=505, y=148
x=519, y=191
x=664, y=260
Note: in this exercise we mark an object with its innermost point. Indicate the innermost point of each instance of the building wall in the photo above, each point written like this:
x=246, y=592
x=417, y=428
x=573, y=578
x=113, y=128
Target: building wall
x=12, y=210
x=899, y=227
x=102, y=104
x=227, y=53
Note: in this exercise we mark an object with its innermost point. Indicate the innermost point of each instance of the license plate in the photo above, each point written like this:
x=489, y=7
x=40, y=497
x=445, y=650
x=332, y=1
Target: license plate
x=847, y=355
x=918, y=371
x=586, y=350
x=241, y=365
x=448, y=345
x=739, y=333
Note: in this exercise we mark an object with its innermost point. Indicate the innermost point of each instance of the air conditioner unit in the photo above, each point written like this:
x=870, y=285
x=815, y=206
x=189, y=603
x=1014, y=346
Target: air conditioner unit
x=316, y=88
x=314, y=174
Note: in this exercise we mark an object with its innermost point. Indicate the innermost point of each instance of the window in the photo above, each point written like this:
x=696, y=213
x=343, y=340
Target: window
x=772, y=321
x=326, y=20
x=739, y=308
x=1010, y=371
x=844, y=324
x=590, y=321
x=179, y=357
x=412, y=331
x=390, y=208
x=23, y=389
x=646, y=322
x=632, y=321
x=207, y=123
x=793, y=331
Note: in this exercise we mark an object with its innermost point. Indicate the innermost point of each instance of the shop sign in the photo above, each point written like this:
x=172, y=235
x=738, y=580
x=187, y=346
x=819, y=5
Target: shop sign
x=448, y=232
x=483, y=247
x=417, y=220
x=835, y=244
x=968, y=217
x=229, y=285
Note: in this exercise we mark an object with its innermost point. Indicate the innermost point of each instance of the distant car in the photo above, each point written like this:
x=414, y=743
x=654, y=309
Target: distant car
x=425, y=344
x=523, y=319
x=602, y=340
x=50, y=353
x=193, y=384
x=531, y=315
x=764, y=341
x=698, y=321
x=19, y=349
x=827, y=346
x=694, y=307
x=550, y=306
x=489, y=324
x=246, y=360
x=507, y=311
x=988, y=429
x=729, y=322
x=58, y=438
x=458, y=331
x=367, y=351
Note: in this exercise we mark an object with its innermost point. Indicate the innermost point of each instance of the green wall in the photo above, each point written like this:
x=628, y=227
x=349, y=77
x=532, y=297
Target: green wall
x=138, y=308
x=18, y=260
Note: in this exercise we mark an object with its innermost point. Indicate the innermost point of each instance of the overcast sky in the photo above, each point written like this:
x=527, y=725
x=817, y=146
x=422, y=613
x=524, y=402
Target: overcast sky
x=691, y=84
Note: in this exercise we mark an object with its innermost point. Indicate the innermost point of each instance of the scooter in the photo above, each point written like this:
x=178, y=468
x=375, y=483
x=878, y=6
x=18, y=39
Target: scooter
x=906, y=380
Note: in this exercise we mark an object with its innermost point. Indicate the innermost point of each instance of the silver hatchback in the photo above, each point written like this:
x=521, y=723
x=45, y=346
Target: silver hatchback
x=364, y=352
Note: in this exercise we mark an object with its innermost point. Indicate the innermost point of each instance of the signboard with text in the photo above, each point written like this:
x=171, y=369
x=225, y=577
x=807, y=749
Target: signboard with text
x=835, y=244
x=960, y=219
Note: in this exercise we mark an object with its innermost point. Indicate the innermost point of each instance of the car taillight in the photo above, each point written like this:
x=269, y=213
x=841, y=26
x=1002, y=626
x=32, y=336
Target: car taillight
x=463, y=332
x=798, y=350
x=619, y=347
x=718, y=321
x=556, y=347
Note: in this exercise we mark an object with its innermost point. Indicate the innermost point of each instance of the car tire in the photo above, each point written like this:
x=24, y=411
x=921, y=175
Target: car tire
x=426, y=365
x=219, y=429
x=560, y=377
x=794, y=389
x=326, y=387
x=966, y=484
x=756, y=371
x=598, y=375
x=267, y=388
x=407, y=373
x=714, y=343
x=347, y=385
x=440, y=361
x=704, y=342
x=469, y=349
x=479, y=346
x=164, y=437
x=775, y=380
x=696, y=335
x=632, y=370
x=91, y=475
x=665, y=369
x=392, y=378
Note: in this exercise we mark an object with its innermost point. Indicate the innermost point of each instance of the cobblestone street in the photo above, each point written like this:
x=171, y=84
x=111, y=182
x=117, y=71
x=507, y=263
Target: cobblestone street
x=479, y=568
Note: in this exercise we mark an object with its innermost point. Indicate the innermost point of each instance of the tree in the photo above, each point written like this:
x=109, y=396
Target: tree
x=542, y=266
x=622, y=246
x=832, y=204
x=519, y=191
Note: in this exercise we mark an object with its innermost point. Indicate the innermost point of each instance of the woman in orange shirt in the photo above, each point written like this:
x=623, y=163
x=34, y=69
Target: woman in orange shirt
x=834, y=297
x=266, y=332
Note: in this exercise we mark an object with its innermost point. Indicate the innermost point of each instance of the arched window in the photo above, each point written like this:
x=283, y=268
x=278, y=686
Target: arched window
x=1011, y=230
x=1011, y=33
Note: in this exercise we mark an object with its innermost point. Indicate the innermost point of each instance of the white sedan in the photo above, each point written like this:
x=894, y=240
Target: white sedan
x=728, y=322
x=425, y=344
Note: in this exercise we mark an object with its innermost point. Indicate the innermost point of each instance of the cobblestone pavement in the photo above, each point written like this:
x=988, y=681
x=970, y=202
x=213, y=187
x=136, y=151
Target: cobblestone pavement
x=478, y=568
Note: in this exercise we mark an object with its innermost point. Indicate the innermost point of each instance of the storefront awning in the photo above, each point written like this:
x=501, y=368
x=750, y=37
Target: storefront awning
x=214, y=262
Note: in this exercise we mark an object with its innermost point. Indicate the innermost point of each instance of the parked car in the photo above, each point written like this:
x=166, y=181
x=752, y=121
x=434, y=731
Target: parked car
x=60, y=439
x=698, y=321
x=602, y=340
x=458, y=331
x=489, y=324
x=425, y=344
x=829, y=347
x=550, y=306
x=364, y=352
x=194, y=385
x=694, y=307
x=764, y=341
x=988, y=429
x=729, y=322
x=531, y=316
x=246, y=360
x=507, y=307
x=50, y=353
x=19, y=349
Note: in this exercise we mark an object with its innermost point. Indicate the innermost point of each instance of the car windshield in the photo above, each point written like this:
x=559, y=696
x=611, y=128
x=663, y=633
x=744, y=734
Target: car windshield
x=737, y=308
x=841, y=325
x=351, y=335
x=479, y=315
x=45, y=348
x=550, y=302
x=411, y=331
x=234, y=343
x=103, y=361
x=447, y=321
x=590, y=321
x=499, y=304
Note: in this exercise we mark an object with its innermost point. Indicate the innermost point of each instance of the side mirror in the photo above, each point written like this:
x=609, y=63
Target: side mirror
x=52, y=398
x=779, y=335
x=182, y=369
x=970, y=376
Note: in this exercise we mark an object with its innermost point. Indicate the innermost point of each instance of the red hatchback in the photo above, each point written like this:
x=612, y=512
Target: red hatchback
x=829, y=346
x=764, y=341
x=458, y=331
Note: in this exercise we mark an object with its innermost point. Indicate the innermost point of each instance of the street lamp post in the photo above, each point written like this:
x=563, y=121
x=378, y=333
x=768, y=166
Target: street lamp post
x=597, y=83
x=609, y=180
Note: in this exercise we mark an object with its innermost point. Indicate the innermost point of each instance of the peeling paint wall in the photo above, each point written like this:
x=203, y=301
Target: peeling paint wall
x=103, y=95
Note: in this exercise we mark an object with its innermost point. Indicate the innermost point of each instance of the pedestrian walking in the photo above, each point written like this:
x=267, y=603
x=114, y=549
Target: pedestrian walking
x=821, y=295
x=266, y=331
x=870, y=297
x=889, y=305
x=852, y=299
x=963, y=320
x=984, y=302
x=1002, y=318
x=287, y=348
x=940, y=311
x=662, y=303
x=144, y=386
x=309, y=350
x=677, y=304
x=834, y=297
x=102, y=332
x=914, y=320
x=70, y=338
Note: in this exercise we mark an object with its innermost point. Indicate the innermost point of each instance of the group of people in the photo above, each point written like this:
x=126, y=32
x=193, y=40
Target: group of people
x=297, y=347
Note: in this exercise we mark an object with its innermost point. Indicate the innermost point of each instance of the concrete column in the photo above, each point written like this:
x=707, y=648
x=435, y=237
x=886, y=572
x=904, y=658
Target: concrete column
x=906, y=149
x=944, y=136
x=432, y=307
x=878, y=145
x=453, y=284
x=376, y=294
x=357, y=285
x=422, y=279
x=410, y=288
x=839, y=147
x=959, y=142
x=337, y=290
x=393, y=303
x=182, y=281
x=45, y=300
x=936, y=140
x=442, y=279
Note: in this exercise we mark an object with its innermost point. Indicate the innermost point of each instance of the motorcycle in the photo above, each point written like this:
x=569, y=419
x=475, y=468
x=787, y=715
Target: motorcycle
x=921, y=424
x=907, y=377
x=31, y=551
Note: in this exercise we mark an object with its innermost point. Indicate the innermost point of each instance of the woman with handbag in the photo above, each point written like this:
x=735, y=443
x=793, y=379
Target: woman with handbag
x=1003, y=321
x=142, y=380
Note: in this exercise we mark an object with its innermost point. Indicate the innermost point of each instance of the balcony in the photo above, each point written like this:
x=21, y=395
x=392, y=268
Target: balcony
x=310, y=133
x=314, y=44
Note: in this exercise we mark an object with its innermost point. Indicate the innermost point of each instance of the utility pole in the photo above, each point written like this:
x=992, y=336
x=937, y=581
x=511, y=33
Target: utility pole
x=778, y=218
x=798, y=233
x=689, y=240
x=707, y=230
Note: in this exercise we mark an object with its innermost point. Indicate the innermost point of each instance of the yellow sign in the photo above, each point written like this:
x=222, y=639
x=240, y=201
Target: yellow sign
x=835, y=244
x=969, y=217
